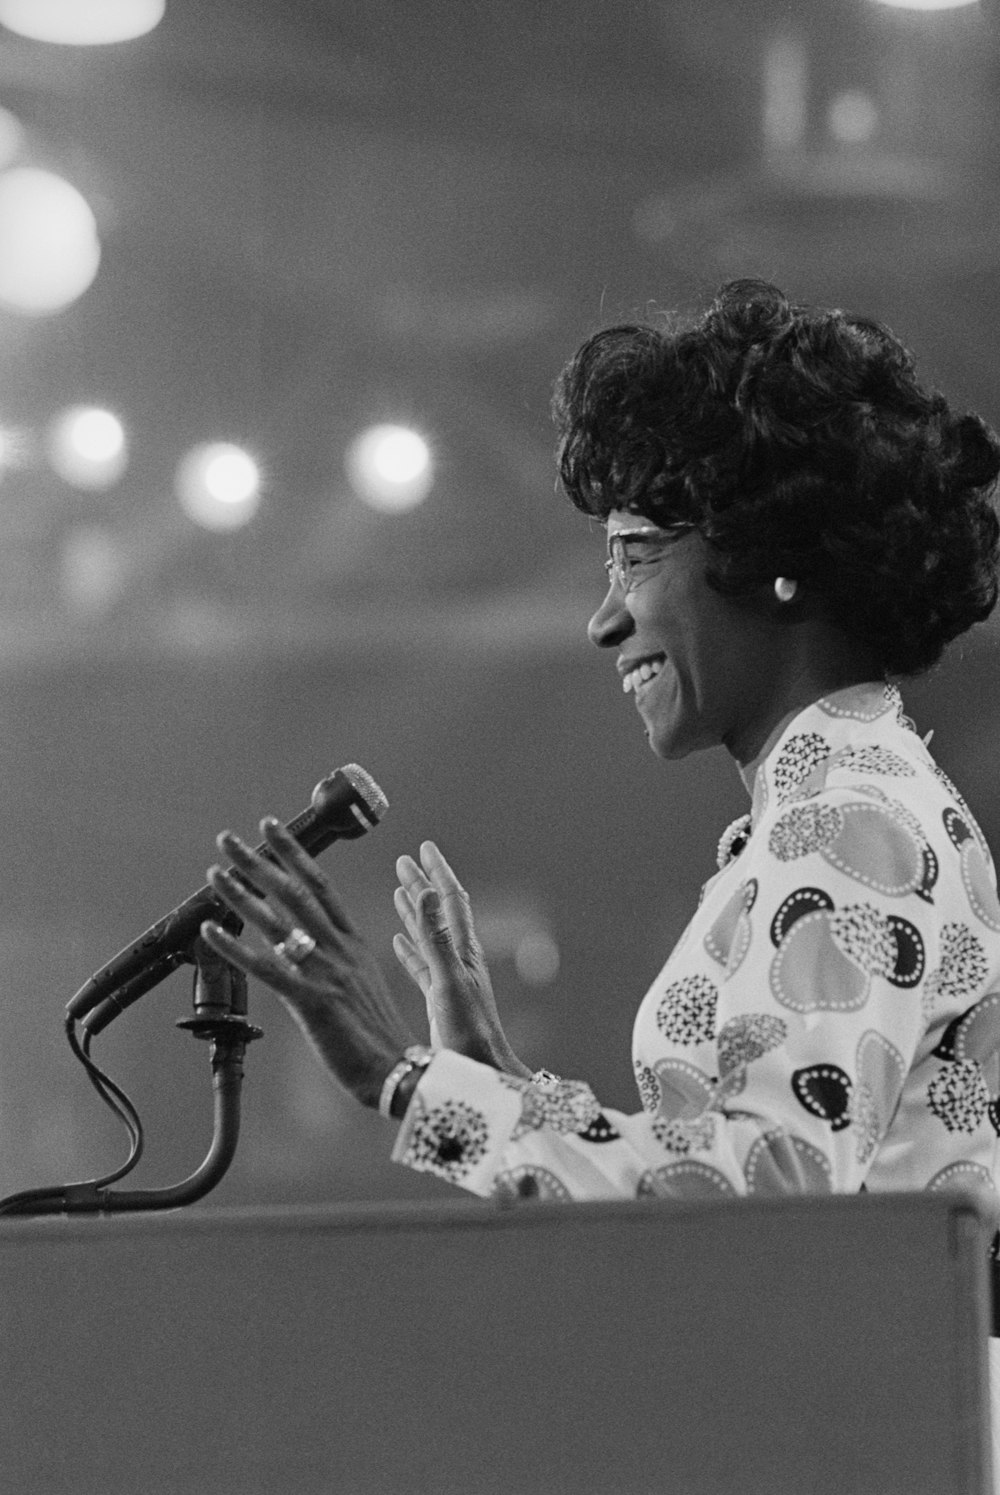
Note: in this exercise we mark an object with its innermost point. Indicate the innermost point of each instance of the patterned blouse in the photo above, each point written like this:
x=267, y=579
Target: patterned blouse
x=829, y=1020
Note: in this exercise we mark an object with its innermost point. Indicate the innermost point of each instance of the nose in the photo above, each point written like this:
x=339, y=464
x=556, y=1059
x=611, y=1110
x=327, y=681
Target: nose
x=612, y=621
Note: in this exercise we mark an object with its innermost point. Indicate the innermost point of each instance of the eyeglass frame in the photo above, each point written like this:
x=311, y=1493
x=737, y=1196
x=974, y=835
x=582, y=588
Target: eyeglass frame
x=620, y=567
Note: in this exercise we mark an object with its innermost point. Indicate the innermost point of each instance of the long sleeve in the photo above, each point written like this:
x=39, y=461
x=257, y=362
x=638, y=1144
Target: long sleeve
x=829, y=1019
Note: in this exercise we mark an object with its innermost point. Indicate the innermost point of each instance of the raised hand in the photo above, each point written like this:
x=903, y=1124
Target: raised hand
x=309, y=952
x=441, y=953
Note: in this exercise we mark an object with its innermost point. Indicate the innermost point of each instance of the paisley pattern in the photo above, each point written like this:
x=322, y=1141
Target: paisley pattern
x=728, y=940
x=975, y=870
x=958, y=1097
x=829, y=1020
x=686, y=1011
x=686, y=1136
x=528, y=1182
x=684, y=1089
x=448, y=1139
x=800, y=755
x=688, y=1180
x=748, y=1037
x=566, y=1105
x=780, y=1162
x=825, y=1091
x=962, y=968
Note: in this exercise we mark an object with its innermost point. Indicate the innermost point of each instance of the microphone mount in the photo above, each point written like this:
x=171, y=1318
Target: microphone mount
x=225, y=1025
x=344, y=805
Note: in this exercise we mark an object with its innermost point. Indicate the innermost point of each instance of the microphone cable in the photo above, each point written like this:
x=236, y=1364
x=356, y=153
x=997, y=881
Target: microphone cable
x=115, y=1098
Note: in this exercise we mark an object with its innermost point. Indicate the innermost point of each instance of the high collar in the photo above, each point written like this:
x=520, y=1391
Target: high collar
x=868, y=713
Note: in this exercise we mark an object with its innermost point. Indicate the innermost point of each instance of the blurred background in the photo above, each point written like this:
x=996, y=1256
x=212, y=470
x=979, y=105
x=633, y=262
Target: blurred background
x=284, y=285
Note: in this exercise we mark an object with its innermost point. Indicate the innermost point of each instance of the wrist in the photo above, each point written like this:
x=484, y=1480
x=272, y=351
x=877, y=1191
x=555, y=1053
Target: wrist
x=401, y=1081
x=403, y=1094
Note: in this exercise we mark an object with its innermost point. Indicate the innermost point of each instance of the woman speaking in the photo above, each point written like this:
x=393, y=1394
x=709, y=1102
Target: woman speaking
x=793, y=525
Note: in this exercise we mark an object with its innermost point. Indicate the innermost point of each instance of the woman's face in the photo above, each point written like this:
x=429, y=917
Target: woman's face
x=698, y=667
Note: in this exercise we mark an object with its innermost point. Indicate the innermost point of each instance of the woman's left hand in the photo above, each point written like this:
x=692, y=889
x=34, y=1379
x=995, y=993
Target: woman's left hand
x=336, y=992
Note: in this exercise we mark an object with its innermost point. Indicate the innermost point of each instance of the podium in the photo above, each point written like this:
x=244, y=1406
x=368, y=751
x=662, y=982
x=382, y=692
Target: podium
x=801, y=1347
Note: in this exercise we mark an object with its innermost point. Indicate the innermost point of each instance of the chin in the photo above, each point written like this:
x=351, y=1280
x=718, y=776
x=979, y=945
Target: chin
x=677, y=738
x=669, y=746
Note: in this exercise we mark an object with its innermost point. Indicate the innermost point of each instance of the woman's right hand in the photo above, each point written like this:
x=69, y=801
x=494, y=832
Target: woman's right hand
x=441, y=953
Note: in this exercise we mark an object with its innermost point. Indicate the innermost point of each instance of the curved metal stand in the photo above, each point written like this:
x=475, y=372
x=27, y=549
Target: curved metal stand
x=225, y=1026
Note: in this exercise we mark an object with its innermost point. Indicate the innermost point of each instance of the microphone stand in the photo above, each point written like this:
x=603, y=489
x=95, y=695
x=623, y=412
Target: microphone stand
x=225, y=1026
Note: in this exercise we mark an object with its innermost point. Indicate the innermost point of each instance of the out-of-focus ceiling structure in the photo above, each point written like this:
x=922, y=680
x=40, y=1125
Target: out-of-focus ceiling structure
x=318, y=215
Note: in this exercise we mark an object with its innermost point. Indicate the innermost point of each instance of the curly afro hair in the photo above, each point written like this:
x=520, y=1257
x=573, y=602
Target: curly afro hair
x=801, y=443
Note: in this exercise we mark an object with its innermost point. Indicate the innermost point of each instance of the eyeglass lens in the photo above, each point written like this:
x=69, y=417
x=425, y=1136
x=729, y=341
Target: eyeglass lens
x=629, y=548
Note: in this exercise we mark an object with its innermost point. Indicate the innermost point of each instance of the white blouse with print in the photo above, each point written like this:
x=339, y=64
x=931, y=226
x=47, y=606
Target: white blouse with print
x=830, y=1018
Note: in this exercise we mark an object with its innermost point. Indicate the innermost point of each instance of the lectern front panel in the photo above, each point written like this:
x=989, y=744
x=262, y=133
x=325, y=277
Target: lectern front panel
x=808, y=1347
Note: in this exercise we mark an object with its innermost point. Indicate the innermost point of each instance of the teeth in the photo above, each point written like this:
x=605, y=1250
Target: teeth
x=642, y=672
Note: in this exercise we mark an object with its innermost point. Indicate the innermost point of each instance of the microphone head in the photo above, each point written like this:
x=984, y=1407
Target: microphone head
x=375, y=801
x=348, y=803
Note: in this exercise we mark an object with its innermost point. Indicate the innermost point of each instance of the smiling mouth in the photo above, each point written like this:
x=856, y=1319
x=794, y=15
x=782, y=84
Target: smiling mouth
x=641, y=675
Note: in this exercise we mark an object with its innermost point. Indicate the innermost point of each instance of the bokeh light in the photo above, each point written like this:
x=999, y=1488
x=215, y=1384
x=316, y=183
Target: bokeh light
x=852, y=117
x=218, y=485
x=93, y=570
x=536, y=958
x=14, y=448
x=87, y=447
x=12, y=136
x=49, y=249
x=81, y=23
x=390, y=468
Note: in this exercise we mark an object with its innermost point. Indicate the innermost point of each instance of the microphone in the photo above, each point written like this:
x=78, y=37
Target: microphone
x=344, y=805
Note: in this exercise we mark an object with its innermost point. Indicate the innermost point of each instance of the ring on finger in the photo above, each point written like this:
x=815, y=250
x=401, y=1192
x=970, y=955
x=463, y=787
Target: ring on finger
x=296, y=947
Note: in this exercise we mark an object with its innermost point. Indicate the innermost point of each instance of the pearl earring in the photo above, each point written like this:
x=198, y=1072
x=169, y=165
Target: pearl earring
x=785, y=588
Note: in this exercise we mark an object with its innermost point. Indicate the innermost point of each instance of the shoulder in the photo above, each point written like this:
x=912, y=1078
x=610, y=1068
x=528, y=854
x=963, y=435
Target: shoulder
x=886, y=818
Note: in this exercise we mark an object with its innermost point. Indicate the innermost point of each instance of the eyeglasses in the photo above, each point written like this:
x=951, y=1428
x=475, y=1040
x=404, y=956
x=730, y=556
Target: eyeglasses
x=629, y=550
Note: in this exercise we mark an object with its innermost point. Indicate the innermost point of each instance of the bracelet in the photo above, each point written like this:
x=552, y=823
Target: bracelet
x=415, y=1057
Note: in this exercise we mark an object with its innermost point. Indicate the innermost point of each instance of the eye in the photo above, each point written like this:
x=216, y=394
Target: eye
x=642, y=551
x=635, y=552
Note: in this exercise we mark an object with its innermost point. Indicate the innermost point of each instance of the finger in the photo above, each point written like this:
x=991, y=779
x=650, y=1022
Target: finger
x=454, y=898
x=410, y=875
x=427, y=908
x=412, y=962
x=436, y=865
x=250, y=908
x=281, y=886
x=264, y=964
x=437, y=942
x=296, y=859
x=404, y=908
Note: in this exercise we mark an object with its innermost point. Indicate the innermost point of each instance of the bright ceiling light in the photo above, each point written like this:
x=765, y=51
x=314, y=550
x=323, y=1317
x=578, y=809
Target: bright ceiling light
x=218, y=486
x=390, y=468
x=81, y=23
x=49, y=249
x=87, y=447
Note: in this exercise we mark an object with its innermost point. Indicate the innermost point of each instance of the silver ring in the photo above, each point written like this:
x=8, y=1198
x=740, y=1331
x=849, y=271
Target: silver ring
x=296, y=947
